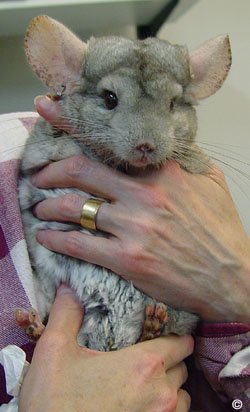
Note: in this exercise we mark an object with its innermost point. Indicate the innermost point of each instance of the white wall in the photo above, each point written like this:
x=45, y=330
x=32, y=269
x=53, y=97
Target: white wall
x=224, y=118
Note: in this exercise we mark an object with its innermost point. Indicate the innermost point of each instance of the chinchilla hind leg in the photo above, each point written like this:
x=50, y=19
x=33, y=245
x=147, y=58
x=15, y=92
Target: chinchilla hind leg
x=156, y=317
x=180, y=322
x=161, y=319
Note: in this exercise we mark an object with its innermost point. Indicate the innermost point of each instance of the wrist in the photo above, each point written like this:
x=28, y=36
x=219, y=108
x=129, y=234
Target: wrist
x=241, y=293
x=240, y=290
x=232, y=297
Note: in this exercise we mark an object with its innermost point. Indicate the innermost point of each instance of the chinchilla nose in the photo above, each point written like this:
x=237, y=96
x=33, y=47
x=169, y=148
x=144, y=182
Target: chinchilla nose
x=145, y=148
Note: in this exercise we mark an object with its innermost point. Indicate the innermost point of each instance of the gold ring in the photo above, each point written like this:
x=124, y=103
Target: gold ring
x=89, y=213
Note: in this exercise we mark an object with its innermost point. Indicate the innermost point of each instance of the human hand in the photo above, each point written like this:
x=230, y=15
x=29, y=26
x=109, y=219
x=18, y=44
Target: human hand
x=66, y=377
x=175, y=235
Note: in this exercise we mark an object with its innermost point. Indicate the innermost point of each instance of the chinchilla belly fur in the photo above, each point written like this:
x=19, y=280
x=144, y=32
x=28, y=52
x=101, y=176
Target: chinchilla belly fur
x=114, y=308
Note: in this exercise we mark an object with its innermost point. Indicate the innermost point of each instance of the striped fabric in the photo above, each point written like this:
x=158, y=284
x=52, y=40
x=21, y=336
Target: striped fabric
x=223, y=350
x=15, y=270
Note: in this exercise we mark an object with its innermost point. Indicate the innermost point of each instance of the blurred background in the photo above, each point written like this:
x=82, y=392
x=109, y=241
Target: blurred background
x=224, y=119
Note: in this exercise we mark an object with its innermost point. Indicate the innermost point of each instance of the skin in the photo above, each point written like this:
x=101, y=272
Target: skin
x=148, y=376
x=165, y=229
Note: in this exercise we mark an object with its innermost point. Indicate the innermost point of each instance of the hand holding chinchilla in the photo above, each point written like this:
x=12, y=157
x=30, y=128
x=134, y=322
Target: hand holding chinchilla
x=131, y=107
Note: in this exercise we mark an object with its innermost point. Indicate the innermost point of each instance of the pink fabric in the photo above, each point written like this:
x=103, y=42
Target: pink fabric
x=215, y=344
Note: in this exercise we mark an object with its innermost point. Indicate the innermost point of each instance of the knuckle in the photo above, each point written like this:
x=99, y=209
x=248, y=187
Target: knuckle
x=184, y=371
x=158, y=198
x=145, y=226
x=133, y=258
x=131, y=186
x=189, y=342
x=76, y=165
x=153, y=196
x=186, y=398
x=73, y=244
x=151, y=363
x=169, y=400
x=67, y=203
x=138, y=259
x=143, y=223
x=148, y=194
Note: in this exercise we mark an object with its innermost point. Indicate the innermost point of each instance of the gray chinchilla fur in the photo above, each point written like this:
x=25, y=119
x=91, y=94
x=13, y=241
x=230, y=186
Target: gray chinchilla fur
x=131, y=103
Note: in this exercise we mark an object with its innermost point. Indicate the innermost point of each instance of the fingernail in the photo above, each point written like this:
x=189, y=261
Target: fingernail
x=49, y=109
x=42, y=101
x=64, y=289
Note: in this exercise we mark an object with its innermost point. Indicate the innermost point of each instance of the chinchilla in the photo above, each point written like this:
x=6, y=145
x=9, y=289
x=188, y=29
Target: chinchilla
x=131, y=106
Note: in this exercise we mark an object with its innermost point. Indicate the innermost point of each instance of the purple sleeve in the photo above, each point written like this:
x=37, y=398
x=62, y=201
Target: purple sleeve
x=223, y=354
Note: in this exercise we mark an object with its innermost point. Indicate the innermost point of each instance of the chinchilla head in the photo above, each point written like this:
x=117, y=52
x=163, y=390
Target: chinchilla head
x=131, y=102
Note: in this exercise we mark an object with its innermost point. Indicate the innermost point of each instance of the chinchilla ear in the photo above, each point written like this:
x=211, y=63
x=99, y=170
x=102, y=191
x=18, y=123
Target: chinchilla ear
x=209, y=65
x=54, y=53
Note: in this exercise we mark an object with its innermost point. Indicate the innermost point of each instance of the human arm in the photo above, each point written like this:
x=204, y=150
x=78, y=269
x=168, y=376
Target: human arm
x=66, y=377
x=176, y=236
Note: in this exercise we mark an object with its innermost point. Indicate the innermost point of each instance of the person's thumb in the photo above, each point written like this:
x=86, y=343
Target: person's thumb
x=66, y=314
x=51, y=110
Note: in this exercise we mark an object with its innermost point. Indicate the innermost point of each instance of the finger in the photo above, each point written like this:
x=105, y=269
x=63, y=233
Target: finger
x=82, y=246
x=184, y=401
x=66, y=314
x=84, y=174
x=51, y=111
x=68, y=208
x=65, y=208
x=177, y=376
x=174, y=349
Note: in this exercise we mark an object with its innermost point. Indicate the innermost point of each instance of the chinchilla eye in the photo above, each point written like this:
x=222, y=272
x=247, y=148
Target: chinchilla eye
x=110, y=99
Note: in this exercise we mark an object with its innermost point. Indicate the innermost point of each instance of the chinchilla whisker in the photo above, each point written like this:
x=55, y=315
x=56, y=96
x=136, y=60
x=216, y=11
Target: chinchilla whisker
x=208, y=165
x=113, y=158
x=90, y=137
x=227, y=156
x=238, y=182
x=208, y=151
x=29, y=143
x=73, y=120
x=236, y=169
x=224, y=145
x=218, y=160
x=241, y=172
x=238, y=175
x=182, y=150
x=223, y=162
